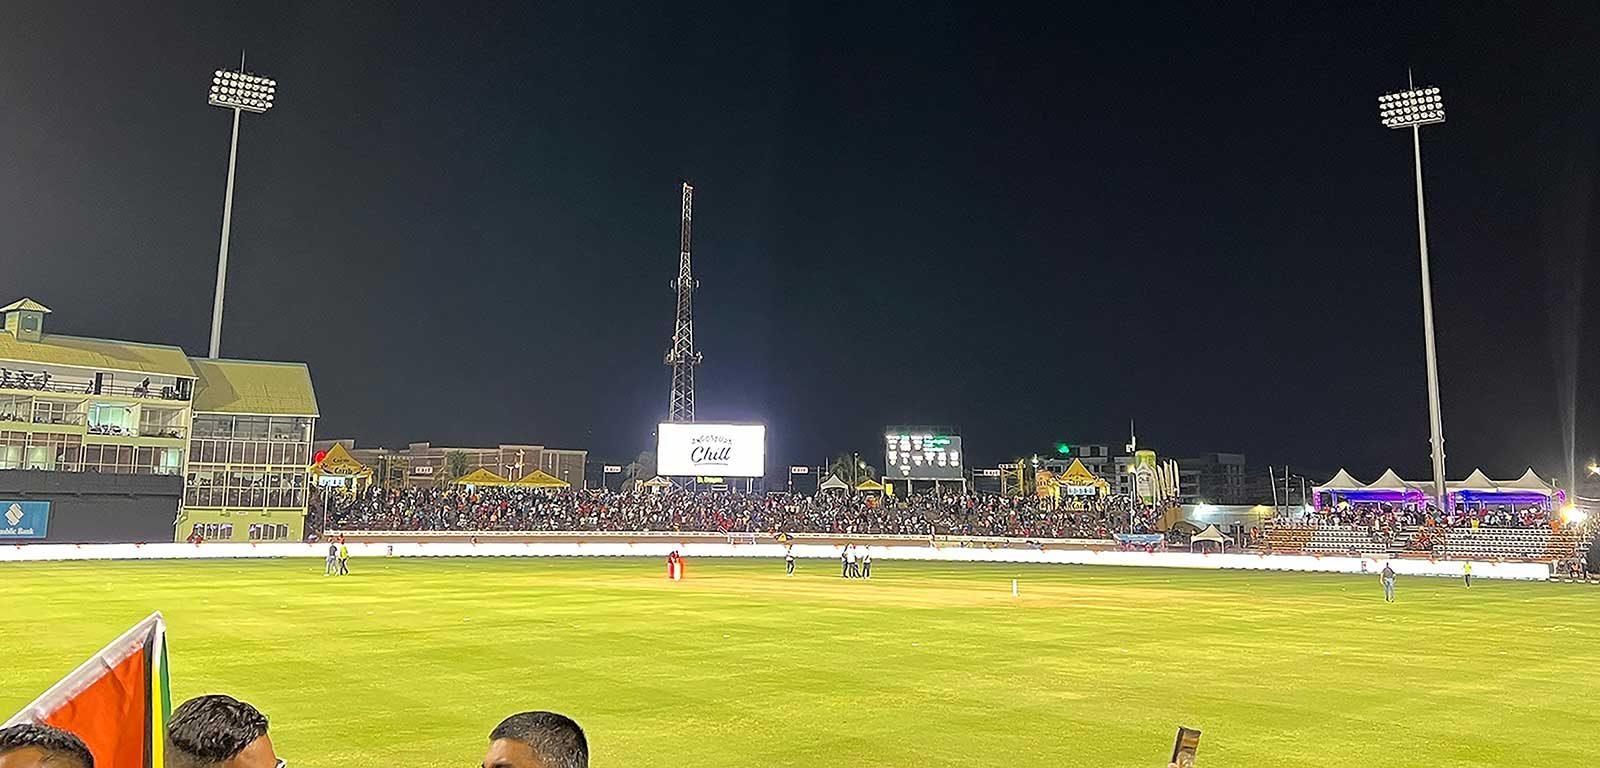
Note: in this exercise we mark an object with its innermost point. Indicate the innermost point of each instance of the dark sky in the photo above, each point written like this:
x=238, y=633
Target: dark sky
x=1031, y=224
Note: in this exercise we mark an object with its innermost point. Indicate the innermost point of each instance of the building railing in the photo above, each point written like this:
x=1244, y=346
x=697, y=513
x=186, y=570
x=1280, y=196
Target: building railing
x=111, y=430
x=42, y=381
x=67, y=419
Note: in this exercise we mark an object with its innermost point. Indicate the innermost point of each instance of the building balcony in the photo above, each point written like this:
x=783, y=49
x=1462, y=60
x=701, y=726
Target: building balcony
x=111, y=436
x=70, y=423
x=24, y=381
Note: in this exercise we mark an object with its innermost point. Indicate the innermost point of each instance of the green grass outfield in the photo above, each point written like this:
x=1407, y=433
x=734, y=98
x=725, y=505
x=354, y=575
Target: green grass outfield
x=410, y=663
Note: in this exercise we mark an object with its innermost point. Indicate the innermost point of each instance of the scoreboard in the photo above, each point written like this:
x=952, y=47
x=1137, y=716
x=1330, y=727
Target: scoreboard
x=919, y=455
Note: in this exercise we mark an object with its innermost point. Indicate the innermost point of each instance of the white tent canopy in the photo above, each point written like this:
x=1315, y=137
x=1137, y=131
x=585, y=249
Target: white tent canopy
x=1477, y=481
x=1390, y=481
x=833, y=483
x=1211, y=533
x=1530, y=481
x=1341, y=481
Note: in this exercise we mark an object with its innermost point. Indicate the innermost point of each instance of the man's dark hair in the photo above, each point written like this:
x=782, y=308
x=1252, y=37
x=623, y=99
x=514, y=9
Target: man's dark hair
x=555, y=738
x=209, y=730
x=54, y=742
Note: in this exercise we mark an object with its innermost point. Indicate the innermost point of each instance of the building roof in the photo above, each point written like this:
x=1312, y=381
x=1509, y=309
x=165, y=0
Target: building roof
x=255, y=387
x=100, y=354
x=25, y=304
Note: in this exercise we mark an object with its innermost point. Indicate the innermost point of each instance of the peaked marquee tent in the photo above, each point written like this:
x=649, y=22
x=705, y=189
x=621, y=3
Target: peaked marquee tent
x=480, y=477
x=1477, y=488
x=833, y=483
x=1213, y=534
x=541, y=479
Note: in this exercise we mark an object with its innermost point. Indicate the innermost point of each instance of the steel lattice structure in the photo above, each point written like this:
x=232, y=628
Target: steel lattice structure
x=683, y=357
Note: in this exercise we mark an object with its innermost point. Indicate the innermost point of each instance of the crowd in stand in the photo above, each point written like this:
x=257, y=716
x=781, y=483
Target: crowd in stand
x=460, y=508
x=1388, y=517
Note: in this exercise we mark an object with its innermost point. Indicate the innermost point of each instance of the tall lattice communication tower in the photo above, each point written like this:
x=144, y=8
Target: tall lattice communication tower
x=683, y=357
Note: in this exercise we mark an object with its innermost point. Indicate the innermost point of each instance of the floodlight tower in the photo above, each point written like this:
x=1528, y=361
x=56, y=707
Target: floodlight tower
x=240, y=92
x=1414, y=108
x=683, y=357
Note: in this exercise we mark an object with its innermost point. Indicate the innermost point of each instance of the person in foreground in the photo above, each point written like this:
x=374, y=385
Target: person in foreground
x=40, y=746
x=537, y=740
x=217, y=731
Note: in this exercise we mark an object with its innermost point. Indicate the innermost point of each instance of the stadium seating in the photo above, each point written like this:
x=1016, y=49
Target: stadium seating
x=1482, y=543
x=1339, y=540
x=1509, y=543
x=1287, y=538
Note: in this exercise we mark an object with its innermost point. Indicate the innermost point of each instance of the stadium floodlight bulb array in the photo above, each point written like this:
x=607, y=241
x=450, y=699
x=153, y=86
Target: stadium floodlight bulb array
x=1418, y=106
x=237, y=90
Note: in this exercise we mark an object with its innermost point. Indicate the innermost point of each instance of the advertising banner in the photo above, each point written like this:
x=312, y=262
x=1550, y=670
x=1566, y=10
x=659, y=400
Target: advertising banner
x=719, y=450
x=24, y=519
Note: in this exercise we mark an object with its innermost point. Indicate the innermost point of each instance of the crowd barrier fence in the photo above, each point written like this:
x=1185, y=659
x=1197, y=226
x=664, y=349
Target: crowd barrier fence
x=703, y=546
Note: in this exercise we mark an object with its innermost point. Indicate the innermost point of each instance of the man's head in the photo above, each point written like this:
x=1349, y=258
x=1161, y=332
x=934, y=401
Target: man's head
x=537, y=740
x=40, y=746
x=218, y=731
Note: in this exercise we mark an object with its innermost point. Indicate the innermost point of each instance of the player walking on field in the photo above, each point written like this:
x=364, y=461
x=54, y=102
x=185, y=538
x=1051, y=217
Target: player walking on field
x=866, y=563
x=1466, y=574
x=344, y=559
x=1388, y=583
x=788, y=561
x=332, y=566
x=844, y=561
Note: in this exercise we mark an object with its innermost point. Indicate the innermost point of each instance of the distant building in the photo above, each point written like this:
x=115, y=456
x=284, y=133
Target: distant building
x=250, y=449
x=424, y=463
x=1115, y=467
x=236, y=432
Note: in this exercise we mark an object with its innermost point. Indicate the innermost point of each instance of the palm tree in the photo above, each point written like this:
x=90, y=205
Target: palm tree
x=851, y=468
x=639, y=470
x=455, y=464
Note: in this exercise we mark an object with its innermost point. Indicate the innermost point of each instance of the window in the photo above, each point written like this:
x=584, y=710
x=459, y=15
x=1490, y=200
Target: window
x=250, y=427
x=268, y=532
x=159, y=422
x=55, y=412
x=214, y=531
x=110, y=419
x=15, y=408
x=169, y=461
x=213, y=426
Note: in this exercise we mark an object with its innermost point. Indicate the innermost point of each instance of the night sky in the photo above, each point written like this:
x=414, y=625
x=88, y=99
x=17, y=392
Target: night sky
x=1031, y=225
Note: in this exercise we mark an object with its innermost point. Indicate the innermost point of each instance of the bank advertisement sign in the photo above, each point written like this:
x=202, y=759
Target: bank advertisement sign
x=701, y=449
x=24, y=519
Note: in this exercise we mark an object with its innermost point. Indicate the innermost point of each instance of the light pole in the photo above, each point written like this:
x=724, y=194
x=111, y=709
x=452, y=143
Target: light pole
x=239, y=92
x=1414, y=108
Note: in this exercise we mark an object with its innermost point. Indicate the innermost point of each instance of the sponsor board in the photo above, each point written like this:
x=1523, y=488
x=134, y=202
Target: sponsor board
x=704, y=449
x=24, y=519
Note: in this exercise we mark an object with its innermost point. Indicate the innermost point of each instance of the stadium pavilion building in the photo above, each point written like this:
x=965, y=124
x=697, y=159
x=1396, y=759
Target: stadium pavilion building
x=228, y=440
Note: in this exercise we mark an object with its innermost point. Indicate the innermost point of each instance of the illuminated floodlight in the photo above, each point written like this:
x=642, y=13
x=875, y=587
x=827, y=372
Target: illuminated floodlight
x=239, y=90
x=1572, y=515
x=1410, y=108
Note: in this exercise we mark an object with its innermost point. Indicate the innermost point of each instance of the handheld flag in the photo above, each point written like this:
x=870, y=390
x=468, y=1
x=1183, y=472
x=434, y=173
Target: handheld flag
x=118, y=701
